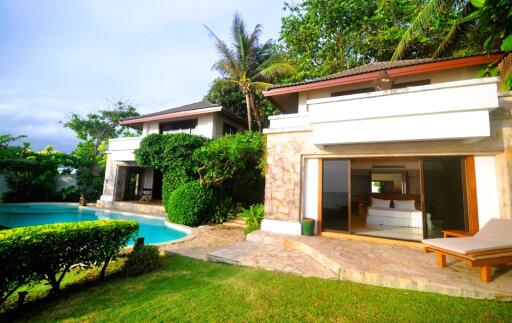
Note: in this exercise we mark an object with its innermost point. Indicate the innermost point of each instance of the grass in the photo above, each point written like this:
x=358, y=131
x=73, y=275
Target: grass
x=192, y=290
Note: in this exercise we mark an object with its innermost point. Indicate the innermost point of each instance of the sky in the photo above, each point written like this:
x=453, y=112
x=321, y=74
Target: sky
x=63, y=57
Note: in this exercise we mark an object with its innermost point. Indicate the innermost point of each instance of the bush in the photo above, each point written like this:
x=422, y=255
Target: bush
x=233, y=164
x=143, y=259
x=253, y=216
x=191, y=204
x=48, y=252
x=223, y=210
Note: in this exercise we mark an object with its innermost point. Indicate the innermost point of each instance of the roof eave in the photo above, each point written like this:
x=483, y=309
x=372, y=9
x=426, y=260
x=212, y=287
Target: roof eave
x=169, y=116
x=392, y=72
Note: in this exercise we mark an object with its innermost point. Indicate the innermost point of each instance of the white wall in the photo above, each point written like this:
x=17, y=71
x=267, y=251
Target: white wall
x=486, y=189
x=311, y=190
x=150, y=127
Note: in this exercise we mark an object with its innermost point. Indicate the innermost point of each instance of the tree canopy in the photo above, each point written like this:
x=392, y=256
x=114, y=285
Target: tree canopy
x=324, y=36
x=94, y=130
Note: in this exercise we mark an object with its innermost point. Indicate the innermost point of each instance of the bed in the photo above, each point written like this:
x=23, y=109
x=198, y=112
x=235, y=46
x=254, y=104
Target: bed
x=395, y=217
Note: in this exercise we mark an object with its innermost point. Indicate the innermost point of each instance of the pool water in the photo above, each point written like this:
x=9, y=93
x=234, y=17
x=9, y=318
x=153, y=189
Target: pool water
x=153, y=229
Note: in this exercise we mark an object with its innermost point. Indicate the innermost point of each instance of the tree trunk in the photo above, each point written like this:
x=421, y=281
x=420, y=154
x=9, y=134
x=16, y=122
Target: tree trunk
x=249, y=108
x=104, y=268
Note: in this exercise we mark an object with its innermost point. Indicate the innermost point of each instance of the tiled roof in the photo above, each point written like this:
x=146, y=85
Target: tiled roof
x=371, y=67
x=189, y=107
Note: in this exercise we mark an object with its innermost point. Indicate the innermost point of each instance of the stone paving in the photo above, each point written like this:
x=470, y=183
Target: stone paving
x=365, y=262
x=205, y=239
x=271, y=257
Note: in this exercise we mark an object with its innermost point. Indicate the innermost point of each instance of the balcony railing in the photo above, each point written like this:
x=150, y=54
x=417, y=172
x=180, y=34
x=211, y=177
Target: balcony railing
x=121, y=149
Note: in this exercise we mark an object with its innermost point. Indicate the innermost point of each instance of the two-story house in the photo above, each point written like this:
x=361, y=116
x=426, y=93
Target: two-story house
x=125, y=180
x=397, y=150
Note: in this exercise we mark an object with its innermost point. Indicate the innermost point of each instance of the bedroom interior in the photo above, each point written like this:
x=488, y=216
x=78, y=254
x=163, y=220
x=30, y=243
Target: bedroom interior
x=404, y=198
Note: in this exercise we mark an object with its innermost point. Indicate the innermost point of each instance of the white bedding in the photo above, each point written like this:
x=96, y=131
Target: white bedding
x=395, y=217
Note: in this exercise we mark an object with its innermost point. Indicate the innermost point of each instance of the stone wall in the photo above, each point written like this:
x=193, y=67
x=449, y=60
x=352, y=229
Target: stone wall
x=286, y=151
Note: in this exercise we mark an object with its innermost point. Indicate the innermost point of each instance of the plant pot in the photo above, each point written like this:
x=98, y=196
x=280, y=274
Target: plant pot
x=308, y=226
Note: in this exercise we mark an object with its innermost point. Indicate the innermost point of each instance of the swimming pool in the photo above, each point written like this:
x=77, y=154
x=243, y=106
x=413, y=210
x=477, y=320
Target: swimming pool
x=153, y=229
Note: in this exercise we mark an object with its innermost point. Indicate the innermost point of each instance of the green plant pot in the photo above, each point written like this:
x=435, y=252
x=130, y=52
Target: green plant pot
x=308, y=226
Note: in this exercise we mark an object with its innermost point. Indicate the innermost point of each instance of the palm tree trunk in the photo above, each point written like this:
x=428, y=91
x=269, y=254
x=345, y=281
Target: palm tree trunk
x=249, y=108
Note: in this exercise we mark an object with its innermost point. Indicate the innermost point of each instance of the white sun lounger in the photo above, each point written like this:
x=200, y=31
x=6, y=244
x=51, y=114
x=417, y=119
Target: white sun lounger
x=492, y=245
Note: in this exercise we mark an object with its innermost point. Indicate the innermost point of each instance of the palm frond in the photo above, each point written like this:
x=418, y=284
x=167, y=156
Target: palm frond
x=228, y=63
x=260, y=86
x=425, y=15
x=462, y=18
x=275, y=70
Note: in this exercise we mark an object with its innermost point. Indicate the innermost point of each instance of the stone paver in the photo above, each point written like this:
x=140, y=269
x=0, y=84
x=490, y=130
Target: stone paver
x=206, y=239
x=271, y=257
x=394, y=266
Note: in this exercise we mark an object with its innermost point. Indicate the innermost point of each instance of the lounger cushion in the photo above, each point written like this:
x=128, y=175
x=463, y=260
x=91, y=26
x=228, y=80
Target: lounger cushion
x=496, y=229
x=467, y=245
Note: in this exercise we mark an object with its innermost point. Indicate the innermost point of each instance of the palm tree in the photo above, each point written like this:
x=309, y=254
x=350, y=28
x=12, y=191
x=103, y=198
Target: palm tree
x=247, y=63
x=427, y=14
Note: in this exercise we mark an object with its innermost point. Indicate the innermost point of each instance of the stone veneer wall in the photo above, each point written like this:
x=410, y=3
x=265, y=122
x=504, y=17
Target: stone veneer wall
x=286, y=150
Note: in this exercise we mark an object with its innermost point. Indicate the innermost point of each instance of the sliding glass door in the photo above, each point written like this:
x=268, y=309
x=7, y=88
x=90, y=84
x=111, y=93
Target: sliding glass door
x=445, y=195
x=335, y=195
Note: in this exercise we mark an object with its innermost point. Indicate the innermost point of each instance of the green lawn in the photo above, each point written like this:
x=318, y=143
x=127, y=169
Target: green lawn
x=192, y=290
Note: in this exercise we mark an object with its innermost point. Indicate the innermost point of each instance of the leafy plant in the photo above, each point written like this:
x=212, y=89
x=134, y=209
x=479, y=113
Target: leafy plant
x=253, y=215
x=143, y=259
x=48, y=252
x=232, y=163
x=223, y=210
x=191, y=204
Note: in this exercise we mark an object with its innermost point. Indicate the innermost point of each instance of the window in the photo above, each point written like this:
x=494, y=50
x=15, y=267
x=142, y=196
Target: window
x=408, y=84
x=228, y=129
x=178, y=126
x=356, y=91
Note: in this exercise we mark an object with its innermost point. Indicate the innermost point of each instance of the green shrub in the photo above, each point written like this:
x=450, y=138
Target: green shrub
x=169, y=152
x=143, y=259
x=48, y=252
x=191, y=204
x=223, y=210
x=233, y=164
x=253, y=216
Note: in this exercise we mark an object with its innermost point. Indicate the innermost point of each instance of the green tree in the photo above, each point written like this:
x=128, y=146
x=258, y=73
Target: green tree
x=249, y=64
x=487, y=22
x=93, y=131
x=328, y=36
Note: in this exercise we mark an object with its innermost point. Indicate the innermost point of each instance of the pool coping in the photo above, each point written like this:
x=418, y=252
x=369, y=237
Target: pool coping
x=189, y=231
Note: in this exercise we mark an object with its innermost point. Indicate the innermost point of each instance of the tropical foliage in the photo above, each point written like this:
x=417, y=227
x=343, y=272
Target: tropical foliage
x=249, y=64
x=232, y=163
x=93, y=131
x=487, y=22
x=324, y=37
x=143, y=259
x=253, y=215
x=48, y=252
x=30, y=176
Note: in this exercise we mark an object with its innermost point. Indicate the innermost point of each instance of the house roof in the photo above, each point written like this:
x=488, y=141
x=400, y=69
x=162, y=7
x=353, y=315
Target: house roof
x=192, y=109
x=402, y=67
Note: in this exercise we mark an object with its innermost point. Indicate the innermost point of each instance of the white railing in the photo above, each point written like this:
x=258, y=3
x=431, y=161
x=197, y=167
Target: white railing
x=289, y=122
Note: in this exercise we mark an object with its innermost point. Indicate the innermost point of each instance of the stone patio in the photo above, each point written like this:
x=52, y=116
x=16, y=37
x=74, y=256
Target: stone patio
x=364, y=262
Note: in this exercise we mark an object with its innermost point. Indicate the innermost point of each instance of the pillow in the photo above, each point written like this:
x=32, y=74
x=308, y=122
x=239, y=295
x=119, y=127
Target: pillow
x=405, y=205
x=381, y=203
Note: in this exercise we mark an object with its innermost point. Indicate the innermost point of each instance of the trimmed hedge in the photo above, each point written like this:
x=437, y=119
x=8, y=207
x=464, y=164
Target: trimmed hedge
x=48, y=252
x=191, y=204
